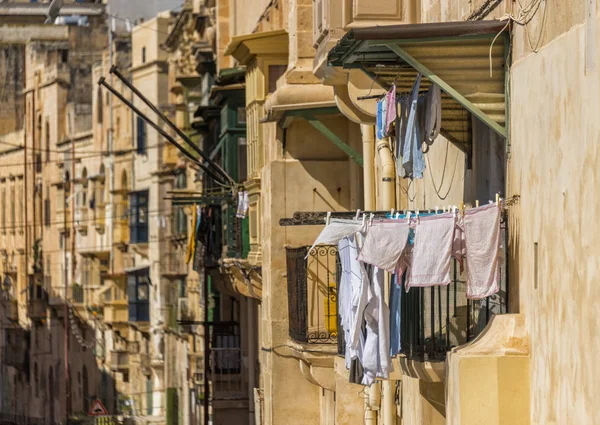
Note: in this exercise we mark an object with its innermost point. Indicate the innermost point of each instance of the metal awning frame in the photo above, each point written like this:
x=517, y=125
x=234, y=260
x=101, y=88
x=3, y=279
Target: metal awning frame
x=310, y=115
x=391, y=52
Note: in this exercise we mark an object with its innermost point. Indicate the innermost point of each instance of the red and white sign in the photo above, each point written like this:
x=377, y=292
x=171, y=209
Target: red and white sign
x=97, y=409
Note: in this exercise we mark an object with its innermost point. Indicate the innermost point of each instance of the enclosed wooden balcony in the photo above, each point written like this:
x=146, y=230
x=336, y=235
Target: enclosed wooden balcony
x=119, y=360
x=38, y=303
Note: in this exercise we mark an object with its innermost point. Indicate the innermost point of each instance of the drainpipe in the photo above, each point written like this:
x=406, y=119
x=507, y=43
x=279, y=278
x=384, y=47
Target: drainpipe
x=372, y=403
x=388, y=201
x=252, y=351
x=388, y=175
x=368, y=139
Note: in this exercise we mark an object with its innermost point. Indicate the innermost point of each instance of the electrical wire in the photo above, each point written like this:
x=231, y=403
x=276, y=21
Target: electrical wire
x=91, y=152
x=439, y=188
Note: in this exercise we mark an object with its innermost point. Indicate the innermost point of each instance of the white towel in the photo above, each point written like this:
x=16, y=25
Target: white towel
x=336, y=230
x=432, y=251
x=384, y=244
x=482, y=241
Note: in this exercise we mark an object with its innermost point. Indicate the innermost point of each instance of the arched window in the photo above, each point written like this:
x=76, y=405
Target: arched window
x=47, y=141
x=38, y=134
x=51, y=394
x=84, y=188
x=84, y=385
x=124, y=181
x=180, y=219
x=100, y=187
x=36, y=381
x=100, y=110
x=181, y=180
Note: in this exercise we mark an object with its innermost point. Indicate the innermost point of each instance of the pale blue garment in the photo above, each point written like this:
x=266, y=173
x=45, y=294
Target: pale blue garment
x=413, y=160
x=395, y=292
x=381, y=121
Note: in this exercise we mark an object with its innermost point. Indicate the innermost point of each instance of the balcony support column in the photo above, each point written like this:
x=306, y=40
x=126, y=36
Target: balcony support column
x=389, y=405
x=368, y=138
x=252, y=353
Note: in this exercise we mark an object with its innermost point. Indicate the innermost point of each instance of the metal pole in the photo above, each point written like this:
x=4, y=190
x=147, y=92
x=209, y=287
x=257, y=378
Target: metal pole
x=206, y=349
x=160, y=131
x=66, y=312
x=71, y=198
x=110, y=133
x=177, y=130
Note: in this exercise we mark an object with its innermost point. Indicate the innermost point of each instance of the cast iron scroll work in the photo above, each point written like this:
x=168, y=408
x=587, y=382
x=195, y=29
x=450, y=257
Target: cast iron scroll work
x=312, y=294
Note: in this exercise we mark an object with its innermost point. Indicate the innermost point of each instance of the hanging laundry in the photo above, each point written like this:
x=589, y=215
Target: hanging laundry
x=482, y=242
x=198, y=222
x=433, y=116
x=337, y=229
x=192, y=243
x=349, y=297
x=356, y=372
x=401, y=121
x=381, y=119
x=360, y=298
x=413, y=160
x=376, y=359
x=243, y=204
x=384, y=244
x=240, y=203
x=459, y=250
x=395, y=294
x=391, y=112
x=431, y=256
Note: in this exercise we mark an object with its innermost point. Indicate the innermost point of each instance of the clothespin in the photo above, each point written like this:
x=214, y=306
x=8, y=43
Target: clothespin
x=364, y=219
x=477, y=203
x=357, y=214
x=462, y=208
x=417, y=215
x=392, y=213
x=436, y=209
x=498, y=199
x=397, y=215
x=408, y=214
x=328, y=219
x=371, y=219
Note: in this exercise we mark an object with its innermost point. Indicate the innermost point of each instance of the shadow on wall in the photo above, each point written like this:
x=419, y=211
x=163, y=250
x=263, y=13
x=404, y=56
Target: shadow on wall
x=321, y=161
x=32, y=374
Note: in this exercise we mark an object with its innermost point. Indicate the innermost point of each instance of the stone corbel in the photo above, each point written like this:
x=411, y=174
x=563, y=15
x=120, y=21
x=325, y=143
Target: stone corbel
x=321, y=376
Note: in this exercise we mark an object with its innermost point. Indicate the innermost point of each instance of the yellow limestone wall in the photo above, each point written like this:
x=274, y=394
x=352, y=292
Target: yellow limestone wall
x=312, y=176
x=555, y=157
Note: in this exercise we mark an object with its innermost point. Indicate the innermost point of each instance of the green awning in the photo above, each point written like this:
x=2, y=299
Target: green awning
x=466, y=59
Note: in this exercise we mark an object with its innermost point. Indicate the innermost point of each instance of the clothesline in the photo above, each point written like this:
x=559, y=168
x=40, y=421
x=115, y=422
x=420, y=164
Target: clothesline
x=318, y=218
x=418, y=256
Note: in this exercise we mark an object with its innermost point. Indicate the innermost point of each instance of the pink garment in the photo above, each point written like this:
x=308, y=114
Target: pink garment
x=459, y=250
x=390, y=116
x=431, y=256
x=384, y=244
x=482, y=242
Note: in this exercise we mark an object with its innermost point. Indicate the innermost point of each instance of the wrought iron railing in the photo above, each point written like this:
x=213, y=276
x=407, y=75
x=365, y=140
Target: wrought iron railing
x=77, y=294
x=312, y=294
x=436, y=319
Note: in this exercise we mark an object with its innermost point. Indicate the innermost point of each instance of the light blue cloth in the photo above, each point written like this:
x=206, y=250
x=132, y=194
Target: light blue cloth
x=395, y=293
x=413, y=160
x=381, y=121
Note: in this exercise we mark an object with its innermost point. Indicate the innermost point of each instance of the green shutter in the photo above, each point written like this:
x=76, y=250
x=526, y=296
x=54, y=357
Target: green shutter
x=149, y=397
x=172, y=406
